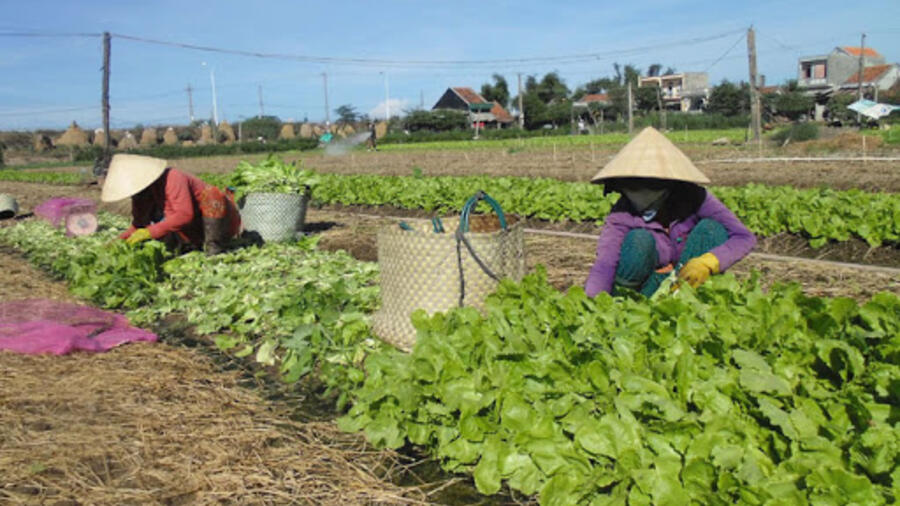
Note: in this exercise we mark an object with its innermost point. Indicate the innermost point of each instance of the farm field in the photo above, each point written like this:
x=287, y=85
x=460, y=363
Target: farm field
x=576, y=163
x=555, y=460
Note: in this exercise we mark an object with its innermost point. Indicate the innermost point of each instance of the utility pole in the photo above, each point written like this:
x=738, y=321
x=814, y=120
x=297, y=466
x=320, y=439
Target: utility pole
x=325, y=84
x=104, y=99
x=754, y=91
x=262, y=111
x=630, y=108
x=659, y=105
x=190, y=93
x=521, y=110
x=859, y=93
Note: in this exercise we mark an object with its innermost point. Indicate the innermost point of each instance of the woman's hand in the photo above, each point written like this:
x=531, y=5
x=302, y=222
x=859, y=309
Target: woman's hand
x=139, y=235
x=697, y=270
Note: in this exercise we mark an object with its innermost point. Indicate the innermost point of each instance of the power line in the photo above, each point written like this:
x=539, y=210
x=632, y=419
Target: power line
x=51, y=34
x=556, y=60
x=717, y=60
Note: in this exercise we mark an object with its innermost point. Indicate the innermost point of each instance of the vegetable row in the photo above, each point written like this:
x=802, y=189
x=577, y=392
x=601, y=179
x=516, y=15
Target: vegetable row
x=723, y=395
x=821, y=215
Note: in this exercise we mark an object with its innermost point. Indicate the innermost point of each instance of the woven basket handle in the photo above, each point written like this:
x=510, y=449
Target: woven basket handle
x=470, y=205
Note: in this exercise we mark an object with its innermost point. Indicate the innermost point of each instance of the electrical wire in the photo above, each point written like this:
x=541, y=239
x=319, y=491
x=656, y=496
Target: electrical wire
x=555, y=60
x=51, y=34
x=717, y=60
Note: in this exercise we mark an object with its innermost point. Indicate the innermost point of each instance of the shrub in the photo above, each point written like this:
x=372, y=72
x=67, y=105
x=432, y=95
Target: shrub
x=798, y=132
x=267, y=127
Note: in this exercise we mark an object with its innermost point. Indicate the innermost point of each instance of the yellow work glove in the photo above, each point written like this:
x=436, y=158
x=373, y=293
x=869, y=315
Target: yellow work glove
x=697, y=270
x=139, y=235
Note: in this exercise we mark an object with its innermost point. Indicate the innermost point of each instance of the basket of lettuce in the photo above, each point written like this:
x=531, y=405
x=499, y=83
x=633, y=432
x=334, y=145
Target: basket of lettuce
x=273, y=197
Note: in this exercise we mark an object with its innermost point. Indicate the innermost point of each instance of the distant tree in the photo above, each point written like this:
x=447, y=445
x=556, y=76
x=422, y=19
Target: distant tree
x=793, y=104
x=552, y=88
x=632, y=75
x=669, y=71
x=535, y=110
x=645, y=99
x=498, y=92
x=441, y=120
x=600, y=85
x=267, y=127
x=653, y=70
x=347, y=114
x=837, y=107
x=728, y=98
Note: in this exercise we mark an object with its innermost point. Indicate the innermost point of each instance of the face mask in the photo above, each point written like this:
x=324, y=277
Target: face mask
x=644, y=198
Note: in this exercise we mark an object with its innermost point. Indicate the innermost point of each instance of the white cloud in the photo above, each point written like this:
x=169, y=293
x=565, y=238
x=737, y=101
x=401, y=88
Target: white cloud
x=397, y=106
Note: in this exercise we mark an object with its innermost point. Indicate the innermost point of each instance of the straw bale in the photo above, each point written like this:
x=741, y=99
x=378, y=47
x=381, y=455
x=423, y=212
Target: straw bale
x=318, y=131
x=148, y=137
x=169, y=137
x=99, y=137
x=206, y=136
x=188, y=143
x=42, y=142
x=157, y=424
x=128, y=142
x=306, y=130
x=73, y=136
x=332, y=128
x=381, y=129
x=287, y=131
x=226, y=130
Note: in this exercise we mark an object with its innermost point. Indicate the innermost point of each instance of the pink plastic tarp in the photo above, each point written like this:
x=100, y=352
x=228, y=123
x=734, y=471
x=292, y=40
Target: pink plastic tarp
x=47, y=326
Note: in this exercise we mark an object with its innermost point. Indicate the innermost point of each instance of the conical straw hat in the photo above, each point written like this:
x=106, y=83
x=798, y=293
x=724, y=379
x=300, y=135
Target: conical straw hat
x=651, y=155
x=129, y=174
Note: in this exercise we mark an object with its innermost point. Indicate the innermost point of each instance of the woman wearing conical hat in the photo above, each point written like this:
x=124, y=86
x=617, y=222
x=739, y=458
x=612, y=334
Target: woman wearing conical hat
x=170, y=205
x=664, y=221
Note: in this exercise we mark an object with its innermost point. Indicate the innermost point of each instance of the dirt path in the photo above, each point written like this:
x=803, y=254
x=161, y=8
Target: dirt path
x=164, y=424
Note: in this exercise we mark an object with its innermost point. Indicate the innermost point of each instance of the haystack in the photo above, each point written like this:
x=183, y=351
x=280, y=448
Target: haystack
x=188, y=143
x=148, y=137
x=347, y=130
x=73, y=136
x=42, y=142
x=206, y=136
x=287, y=131
x=99, y=137
x=318, y=131
x=128, y=142
x=170, y=138
x=381, y=129
x=306, y=130
x=332, y=128
x=226, y=130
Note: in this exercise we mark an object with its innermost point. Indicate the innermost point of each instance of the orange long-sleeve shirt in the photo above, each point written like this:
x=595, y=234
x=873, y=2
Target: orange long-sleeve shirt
x=169, y=205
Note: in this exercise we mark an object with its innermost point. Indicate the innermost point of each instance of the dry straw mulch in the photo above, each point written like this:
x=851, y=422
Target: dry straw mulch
x=155, y=424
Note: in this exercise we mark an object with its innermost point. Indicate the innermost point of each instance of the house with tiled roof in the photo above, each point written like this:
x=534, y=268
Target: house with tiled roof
x=824, y=73
x=820, y=76
x=481, y=112
x=876, y=77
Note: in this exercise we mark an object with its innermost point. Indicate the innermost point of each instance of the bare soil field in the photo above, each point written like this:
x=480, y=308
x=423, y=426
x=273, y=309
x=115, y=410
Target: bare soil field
x=579, y=164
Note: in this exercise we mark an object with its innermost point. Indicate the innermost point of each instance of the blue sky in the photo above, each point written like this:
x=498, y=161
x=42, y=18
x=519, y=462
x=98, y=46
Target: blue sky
x=50, y=81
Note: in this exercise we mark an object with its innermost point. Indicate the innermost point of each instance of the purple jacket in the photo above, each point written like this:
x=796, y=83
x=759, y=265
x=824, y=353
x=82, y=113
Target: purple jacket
x=669, y=244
